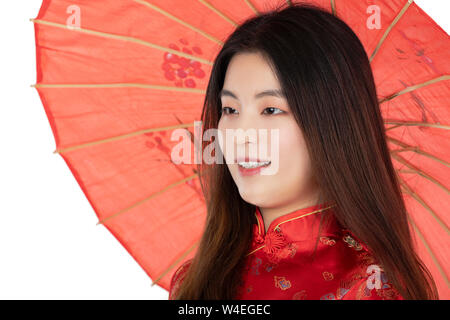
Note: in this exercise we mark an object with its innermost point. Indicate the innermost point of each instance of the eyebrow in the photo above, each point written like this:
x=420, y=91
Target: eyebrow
x=272, y=93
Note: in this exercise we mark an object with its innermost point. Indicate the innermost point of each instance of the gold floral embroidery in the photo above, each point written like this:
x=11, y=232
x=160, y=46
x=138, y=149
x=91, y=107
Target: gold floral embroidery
x=365, y=259
x=327, y=276
x=387, y=291
x=282, y=283
x=292, y=249
x=387, y=294
x=352, y=243
x=327, y=241
x=348, y=283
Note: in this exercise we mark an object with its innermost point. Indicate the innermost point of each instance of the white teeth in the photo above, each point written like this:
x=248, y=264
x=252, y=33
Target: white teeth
x=251, y=164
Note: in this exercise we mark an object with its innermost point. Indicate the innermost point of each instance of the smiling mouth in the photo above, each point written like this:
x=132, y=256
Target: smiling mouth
x=253, y=164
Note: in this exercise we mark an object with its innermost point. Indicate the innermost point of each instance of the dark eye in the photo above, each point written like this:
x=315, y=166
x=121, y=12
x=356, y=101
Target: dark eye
x=273, y=110
x=227, y=108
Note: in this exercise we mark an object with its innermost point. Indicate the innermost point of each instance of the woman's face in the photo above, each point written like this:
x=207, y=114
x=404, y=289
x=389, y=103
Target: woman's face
x=290, y=184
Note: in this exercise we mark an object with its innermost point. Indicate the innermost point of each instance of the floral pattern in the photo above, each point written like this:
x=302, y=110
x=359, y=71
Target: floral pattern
x=182, y=71
x=276, y=268
x=338, y=271
x=282, y=283
x=352, y=242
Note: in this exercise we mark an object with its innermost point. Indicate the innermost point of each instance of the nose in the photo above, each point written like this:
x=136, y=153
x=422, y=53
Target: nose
x=248, y=127
x=247, y=140
x=247, y=135
x=244, y=136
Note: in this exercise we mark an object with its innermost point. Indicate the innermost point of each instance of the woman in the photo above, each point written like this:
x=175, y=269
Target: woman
x=329, y=222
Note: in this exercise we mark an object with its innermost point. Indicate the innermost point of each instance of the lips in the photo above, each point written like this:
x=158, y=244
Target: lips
x=250, y=171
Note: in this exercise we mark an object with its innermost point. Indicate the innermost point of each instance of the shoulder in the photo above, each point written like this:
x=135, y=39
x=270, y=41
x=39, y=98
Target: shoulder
x=177, y=277
x=368, y=280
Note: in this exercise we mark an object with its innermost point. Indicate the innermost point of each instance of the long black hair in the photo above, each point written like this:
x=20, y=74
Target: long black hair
x=326, y=76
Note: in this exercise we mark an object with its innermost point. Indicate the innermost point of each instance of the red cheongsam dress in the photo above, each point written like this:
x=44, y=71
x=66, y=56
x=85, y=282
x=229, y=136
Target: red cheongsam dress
x=291, y=262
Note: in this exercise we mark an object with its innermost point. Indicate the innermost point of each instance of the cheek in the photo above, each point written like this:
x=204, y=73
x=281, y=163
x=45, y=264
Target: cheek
x=294, y=157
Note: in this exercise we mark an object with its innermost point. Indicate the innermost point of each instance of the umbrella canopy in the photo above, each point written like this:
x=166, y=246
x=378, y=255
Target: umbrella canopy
x=116, y=78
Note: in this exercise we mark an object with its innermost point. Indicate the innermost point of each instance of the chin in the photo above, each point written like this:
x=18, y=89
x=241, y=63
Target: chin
x=255, y=196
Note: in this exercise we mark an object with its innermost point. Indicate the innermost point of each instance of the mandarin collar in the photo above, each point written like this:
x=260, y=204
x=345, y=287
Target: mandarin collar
x=299, y=218
x=301, y=225
x=298, y=225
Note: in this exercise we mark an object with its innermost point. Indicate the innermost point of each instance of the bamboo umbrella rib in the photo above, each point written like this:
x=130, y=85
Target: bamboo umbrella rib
x=289, y=2
x=181, y=257
x=250, y=4
x=120, y=37
x=414, y=149
x=412, y=171
x=414, y=87
x=407, y=147
x=419, y=171
x=407, y=171
x=333, y=7
x=426, y=206
x=188, y=132
x=414, y=123
x=430, y=251
x=124, y=136
x=220, y=13
x=118, y=85
x=102, y=221
x=180, y=21
x=422, y=238
x=393, y=23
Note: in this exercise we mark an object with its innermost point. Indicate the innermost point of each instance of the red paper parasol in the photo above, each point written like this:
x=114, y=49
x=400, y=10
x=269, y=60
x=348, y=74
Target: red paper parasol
x=117, y=77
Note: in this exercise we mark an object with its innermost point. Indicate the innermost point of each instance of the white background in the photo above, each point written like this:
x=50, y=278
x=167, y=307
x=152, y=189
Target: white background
x=50, y=245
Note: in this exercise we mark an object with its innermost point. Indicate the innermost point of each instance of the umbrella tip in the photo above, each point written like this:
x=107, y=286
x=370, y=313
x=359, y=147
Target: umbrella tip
x=31, y=19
